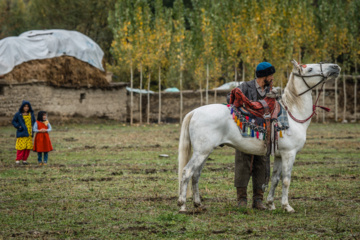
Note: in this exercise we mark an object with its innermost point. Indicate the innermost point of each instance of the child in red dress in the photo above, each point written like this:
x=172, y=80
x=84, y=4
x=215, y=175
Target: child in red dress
x=42, y=143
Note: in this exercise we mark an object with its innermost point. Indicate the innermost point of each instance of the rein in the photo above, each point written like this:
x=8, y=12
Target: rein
x=310, y=88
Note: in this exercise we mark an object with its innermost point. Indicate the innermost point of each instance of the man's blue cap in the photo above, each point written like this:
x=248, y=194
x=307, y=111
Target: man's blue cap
x=264, y=69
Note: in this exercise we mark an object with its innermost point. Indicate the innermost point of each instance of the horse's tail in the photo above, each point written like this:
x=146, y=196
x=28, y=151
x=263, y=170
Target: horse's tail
x=184, y=147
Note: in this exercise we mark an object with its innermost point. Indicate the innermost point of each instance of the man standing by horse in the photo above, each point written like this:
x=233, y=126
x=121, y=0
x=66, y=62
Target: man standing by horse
x=251, y=165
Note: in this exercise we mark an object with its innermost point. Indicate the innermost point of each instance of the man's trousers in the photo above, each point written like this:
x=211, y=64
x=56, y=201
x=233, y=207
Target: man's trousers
x=244, y=170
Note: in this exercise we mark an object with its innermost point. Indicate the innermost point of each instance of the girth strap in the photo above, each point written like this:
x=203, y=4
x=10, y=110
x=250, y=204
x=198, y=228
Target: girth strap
x=267, y=117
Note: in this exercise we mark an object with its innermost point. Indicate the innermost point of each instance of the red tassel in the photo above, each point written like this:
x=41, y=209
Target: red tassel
x=324, y=108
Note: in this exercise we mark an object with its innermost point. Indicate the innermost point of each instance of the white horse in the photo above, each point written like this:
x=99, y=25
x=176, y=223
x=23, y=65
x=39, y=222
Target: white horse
x=209, y=126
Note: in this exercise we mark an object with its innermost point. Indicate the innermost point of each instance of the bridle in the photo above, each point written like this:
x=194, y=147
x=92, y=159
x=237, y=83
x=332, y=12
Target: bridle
x=324, y=78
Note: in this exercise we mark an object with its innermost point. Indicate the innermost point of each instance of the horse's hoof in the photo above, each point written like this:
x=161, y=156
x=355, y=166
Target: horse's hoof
x=288, y=209
x=183, y=211
x=201, y=208
x=270, y=206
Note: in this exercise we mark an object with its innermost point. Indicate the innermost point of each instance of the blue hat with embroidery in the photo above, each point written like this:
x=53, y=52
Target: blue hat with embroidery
x=264, y=69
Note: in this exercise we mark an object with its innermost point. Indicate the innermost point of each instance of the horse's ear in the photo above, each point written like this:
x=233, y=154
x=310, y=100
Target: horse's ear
x=296, y=65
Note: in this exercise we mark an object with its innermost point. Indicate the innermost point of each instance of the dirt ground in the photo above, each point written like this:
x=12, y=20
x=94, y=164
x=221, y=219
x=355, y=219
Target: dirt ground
x=107, y=180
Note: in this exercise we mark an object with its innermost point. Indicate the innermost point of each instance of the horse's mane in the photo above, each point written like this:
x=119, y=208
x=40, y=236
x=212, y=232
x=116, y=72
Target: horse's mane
x=290, y=97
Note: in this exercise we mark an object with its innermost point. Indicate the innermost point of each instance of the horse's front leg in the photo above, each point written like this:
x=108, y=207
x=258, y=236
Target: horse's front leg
x=195, y=187
x=274, y=182
x=287, y=164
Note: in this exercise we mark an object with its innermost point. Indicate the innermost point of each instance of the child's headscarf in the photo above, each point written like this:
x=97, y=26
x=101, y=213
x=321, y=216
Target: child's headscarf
x=40, y=116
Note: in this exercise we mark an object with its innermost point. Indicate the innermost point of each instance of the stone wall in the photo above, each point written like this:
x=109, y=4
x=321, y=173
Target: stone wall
x=109, y=102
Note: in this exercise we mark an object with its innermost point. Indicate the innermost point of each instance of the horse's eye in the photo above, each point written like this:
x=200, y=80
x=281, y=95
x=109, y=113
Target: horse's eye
x=310, y=70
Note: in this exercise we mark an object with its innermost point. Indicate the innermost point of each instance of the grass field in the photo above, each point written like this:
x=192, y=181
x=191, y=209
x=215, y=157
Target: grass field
x=107, y=181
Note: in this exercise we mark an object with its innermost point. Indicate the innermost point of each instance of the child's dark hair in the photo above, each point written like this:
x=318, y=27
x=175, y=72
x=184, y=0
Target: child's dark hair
x=40, y=116
x=22, y=108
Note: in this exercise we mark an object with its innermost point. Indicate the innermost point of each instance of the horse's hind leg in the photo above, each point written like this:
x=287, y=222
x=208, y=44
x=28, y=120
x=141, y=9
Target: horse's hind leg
x=196, y=161
x=274, y=182
x=195, y=186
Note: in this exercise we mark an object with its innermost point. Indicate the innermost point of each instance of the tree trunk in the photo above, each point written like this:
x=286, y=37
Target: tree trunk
x=201, y=94
x=355, y=93
x=336, y=99
x=207, y=84
x=254, y=71
x=148, y=99
x=243, y=73
x=131, y=93
x=181, y=96
x=215, y=95
x=140, y=95
x=317, y=94
x=344, y=86
x=355, y=102
x=323, y=100
x=235, y=76
x=159, y=117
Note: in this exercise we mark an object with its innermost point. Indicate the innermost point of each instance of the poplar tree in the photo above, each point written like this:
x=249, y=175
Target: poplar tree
x=144, y=46
x=122, y=22
x=178, y=45
x=162, y=40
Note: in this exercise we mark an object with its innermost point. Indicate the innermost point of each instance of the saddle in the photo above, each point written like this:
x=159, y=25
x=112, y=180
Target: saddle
x=260, y=108
x=267, y=109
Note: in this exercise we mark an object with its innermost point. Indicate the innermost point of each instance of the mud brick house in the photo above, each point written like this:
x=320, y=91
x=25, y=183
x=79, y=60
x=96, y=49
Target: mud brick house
x=65, y=101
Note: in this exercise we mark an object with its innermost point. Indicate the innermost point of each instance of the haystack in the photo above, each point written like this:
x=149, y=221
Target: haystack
x=60, y=57
x=59, y=71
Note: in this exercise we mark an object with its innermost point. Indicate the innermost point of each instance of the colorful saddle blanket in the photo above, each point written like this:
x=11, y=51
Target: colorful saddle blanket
x=253, y=126
x=238, y=99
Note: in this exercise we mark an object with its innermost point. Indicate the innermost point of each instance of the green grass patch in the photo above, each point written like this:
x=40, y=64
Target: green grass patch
x=109, y=182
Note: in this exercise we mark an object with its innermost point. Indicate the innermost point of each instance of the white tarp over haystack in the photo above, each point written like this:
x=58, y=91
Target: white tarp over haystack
x=42, y=44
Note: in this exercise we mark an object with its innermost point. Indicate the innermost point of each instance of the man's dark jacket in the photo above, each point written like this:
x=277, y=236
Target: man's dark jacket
x=19, y=123
x=250, y=91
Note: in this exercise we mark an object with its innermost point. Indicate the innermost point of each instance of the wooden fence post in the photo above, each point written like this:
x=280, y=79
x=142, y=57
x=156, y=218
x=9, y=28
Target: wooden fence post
x=355, y=92
x=336, y=99
x=323, y=100
x=317, y=94
x=201, y=95
x=140, y=95
x=355, y=100
x=131, y=93
x=159, y=116
x=181, y=96
x=207, y=84
x=148, y=99
x=344, y=86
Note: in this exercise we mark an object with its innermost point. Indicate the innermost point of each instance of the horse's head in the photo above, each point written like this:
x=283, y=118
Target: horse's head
x=314, y=74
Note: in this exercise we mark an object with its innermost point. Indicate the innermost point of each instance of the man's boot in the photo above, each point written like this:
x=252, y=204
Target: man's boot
x=257, y=200
x=241, y=193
